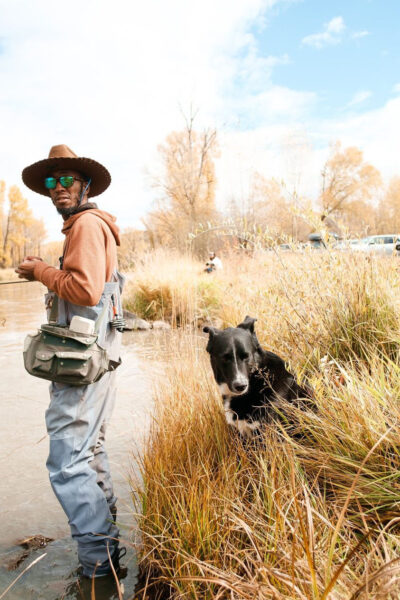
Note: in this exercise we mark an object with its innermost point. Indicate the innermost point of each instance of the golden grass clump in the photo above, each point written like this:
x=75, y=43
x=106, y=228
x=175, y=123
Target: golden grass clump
x=316, y=517
x=171, y=288
x=283, y=519
x=313, y=304
x=308, y=304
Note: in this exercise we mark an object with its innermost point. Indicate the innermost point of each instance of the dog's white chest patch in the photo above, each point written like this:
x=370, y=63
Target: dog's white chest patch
x=225, y=391
x=244, y=427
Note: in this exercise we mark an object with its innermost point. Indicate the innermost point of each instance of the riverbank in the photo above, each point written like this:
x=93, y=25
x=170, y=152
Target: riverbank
x=8, y=275
x=315, y=517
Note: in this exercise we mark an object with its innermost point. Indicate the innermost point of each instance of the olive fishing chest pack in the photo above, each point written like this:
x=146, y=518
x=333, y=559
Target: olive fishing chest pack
x=59, y=354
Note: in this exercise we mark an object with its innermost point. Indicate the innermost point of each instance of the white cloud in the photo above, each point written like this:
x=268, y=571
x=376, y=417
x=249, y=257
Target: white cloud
x=274, y=105
x=360, y=34
x=376, y=132
x=331, y=34
x=396, y=88
x=336, y=25
x=360, y=97
x=297, y=151
x=110, y=84
x=110, y=79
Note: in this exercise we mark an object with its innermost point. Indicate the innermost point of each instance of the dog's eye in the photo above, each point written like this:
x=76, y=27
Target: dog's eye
x=244, y=356
x=227, y=357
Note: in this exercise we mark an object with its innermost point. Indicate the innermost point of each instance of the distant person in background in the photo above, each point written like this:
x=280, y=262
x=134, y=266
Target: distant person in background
x=214, y=263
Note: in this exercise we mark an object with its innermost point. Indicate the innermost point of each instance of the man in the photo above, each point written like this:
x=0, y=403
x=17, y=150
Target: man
x=77, y=417
x=214, y=263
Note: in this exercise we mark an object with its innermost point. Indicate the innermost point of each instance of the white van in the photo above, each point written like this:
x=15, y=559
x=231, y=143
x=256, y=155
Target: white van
x=383, y=244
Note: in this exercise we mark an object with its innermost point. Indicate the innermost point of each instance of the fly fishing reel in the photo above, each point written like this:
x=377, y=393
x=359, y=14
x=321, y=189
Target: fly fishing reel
x=118, y=321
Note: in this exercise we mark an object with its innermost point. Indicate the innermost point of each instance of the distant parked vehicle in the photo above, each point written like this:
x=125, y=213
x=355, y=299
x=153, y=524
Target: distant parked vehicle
x=355, y=245
x=383, y=244
x=284, y=247
x=315, y=241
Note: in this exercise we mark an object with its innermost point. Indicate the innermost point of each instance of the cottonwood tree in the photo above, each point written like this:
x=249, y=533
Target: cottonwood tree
x=35, y=233
x=389, y=208
x=272, y=208
x=21, y=233
x=51, y=252
x=18, y=219
x=267, y=206
x=134, y=242
x=187, y=186
x=359, y=218
x=347, y=180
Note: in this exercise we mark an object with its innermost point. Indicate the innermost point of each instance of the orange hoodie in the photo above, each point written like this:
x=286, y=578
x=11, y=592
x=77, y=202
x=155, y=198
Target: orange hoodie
x=90, y=257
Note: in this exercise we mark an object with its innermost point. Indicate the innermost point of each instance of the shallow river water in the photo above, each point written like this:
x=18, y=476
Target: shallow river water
x=28, y=506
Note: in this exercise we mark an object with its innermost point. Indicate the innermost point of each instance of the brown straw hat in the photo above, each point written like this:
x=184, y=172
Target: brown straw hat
x=62, y=157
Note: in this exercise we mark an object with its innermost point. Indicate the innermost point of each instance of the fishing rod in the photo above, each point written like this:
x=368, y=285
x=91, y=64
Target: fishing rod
x=10, y=282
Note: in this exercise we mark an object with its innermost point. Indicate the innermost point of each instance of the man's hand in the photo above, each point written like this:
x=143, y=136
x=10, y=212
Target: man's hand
x=25, y=269
x=32, y=258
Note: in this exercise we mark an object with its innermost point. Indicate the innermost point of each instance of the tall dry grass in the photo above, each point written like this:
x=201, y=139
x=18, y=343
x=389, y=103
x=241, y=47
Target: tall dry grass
x=316, y=517
x=171, y=287
x=308, y=304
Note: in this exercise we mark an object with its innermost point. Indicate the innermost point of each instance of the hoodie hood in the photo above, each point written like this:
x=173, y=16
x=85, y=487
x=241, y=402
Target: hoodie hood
x=102, y=214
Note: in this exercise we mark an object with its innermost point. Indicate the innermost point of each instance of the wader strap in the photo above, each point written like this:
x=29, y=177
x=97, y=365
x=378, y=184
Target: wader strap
x=100, y=319
x=54, y=314
x=54, y=311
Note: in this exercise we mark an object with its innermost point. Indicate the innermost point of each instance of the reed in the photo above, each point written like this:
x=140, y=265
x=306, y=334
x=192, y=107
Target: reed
x=173, y=288
x=316, y=517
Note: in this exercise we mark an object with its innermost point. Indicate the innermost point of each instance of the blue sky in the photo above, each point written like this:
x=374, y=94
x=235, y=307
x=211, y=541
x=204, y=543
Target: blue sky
x=363, y=57
x=281, y=80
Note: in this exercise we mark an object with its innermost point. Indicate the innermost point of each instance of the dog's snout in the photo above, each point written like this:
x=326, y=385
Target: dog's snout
x=239, y=386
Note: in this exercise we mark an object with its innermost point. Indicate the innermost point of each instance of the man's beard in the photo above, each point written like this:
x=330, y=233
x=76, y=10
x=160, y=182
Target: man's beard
x=67, y=211
x=72, y=210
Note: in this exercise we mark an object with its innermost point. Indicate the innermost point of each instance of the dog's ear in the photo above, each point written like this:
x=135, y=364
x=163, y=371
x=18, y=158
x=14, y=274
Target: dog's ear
x=212, y=332
x=248, y=323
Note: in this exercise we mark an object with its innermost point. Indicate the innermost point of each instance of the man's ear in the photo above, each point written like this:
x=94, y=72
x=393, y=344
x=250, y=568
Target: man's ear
x=248, y=323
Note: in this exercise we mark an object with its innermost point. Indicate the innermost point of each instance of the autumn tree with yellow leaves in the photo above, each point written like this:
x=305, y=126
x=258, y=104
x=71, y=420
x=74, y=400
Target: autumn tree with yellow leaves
x=20, y=233
x=348, y=200
x=187, y=187
x=389, y=208
x=348, y=188
x=274, y=210
x=352, y=198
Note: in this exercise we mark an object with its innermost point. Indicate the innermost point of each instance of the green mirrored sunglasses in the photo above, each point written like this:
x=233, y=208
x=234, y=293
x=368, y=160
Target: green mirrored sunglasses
x=65, y=180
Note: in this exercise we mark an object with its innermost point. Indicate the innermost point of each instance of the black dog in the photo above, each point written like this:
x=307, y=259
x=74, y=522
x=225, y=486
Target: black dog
x=250, y=379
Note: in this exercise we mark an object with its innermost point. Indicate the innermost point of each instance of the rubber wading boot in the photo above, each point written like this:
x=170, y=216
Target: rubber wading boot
x=105, y=588
x=104, y=569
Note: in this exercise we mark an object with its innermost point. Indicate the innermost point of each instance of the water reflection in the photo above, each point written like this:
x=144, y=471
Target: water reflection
x=28, y=506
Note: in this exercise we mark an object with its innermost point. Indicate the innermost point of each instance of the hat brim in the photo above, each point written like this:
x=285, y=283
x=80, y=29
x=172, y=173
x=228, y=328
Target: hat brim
x=34, y=175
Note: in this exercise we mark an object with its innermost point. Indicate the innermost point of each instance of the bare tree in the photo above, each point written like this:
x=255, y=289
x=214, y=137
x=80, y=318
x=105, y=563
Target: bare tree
x=187, y=185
